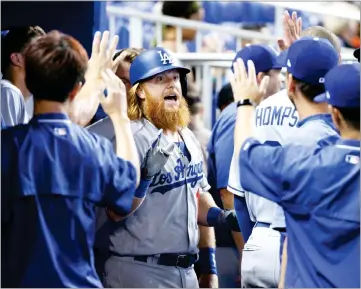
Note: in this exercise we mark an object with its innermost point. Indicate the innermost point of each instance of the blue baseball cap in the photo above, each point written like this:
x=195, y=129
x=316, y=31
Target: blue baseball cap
x=264, y=57
x=342, y=85
x=310, y=58
x=356, y=53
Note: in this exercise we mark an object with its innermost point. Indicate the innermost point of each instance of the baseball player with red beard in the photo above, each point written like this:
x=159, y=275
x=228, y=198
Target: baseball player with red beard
x=160, y=242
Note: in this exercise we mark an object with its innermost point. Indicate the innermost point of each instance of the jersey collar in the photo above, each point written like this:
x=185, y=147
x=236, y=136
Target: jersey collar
x=349, y=142
x=50, y=117
x=322, y=116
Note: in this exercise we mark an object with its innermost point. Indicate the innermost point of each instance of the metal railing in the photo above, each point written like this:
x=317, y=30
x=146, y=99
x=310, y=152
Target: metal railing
x=136, y=19
x=205, y=62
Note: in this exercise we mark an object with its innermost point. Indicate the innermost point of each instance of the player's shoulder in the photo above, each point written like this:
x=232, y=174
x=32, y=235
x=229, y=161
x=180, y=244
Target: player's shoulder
x=103, y=127
x=329, y=140
x=145, y=133
x=90, y=135
x=279, y=98
x=228, y=115
x=226, y=121
x=14, y=134
x=143, y=130
x=190, y=139
x=186, y=132
x=328, y=154
x=8, y=88
x=317, y=129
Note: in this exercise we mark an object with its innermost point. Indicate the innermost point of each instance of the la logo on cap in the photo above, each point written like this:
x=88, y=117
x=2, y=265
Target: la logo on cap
x=165, y=58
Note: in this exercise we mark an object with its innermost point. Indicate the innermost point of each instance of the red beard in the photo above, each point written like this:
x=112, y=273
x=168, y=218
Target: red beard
x=155, y=112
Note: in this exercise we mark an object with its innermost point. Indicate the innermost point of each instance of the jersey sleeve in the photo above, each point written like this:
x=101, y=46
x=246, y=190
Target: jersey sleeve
x=120, y=181
x=203, y=183
x=12, y=107
x=223, y=151
x=261, y=167
x=104, y=128
x=234, y=182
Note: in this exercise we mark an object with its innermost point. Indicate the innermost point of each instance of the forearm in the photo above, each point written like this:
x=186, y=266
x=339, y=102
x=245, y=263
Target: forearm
x=85, y=104
x=135, y=205
x=243, y=127
x=207, y=258
x=139, y=196
x=207, y=237
x=209, y=214
x=228, y=204
x=125, y=144
x=204, y=204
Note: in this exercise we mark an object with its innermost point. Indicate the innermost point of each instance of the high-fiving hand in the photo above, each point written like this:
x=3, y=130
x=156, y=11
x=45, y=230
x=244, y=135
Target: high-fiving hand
x=115, y=102
x=102, y=56
x=244, y=85
x=86, y=102
x=292, y=27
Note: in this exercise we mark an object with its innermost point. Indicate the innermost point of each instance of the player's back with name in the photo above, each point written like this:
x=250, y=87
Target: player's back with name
x=277, y=110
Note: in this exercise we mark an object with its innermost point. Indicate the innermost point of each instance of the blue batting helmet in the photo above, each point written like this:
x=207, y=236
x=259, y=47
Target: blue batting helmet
x=154, y=61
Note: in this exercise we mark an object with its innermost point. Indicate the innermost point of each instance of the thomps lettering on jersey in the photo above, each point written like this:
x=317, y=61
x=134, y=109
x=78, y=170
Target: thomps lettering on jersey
x=276, y=115
x=164, y=182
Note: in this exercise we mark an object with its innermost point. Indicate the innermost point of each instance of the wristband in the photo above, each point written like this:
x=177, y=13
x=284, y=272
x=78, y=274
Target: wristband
x=213, y=216
x=207, y=261
x=142, y=189
x=244, y=102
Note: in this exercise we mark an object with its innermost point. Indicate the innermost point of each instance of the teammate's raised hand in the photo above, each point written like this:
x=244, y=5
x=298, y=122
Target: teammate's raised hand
x=244, y=85
x=292, y=27
x=101, y=56
x=115, y=103
x=86, y=102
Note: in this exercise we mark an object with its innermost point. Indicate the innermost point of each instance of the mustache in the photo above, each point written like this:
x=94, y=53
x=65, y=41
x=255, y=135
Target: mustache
x=173, y=92
x=161, y=118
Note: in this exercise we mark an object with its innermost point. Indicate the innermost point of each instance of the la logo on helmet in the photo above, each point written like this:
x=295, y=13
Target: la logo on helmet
x=165, y=58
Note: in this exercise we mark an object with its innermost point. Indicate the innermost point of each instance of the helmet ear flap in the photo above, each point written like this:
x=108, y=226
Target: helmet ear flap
x=184, y=85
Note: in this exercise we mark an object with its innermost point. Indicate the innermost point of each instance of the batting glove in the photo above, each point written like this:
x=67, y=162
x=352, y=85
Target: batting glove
x=229, y=219
x=156, y=157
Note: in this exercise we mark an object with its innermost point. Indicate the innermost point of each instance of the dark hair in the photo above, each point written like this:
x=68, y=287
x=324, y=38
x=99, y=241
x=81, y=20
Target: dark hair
x=54, y=64
x=14, y=40
x=180, y=9
x=351, y=116
x=225, y=96
x=310, y=91
x=131, y=53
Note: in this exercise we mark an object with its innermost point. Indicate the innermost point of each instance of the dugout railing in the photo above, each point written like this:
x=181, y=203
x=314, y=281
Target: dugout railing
x=212, y=69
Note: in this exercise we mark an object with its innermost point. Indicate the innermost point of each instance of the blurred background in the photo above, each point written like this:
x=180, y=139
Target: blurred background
x=205, y=35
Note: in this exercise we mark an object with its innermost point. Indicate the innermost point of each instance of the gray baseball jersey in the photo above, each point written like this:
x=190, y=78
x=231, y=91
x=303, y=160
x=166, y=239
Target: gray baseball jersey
x=166, y=222
x=275, y=120
x=284, y=131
